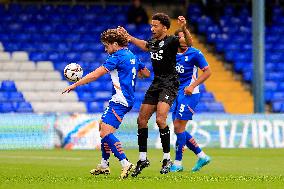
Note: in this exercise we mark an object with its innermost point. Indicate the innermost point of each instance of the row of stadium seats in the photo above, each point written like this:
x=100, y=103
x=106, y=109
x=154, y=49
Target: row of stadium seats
x=232, y=36
x=61, y=9
x=11, y=100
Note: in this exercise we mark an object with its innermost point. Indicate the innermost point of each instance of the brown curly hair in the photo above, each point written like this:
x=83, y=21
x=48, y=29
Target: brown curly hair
x=163, y=18
x=113, y=35
x=178, y=31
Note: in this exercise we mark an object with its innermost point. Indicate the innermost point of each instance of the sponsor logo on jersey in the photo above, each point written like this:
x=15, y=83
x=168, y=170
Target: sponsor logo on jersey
x=157, y=55
x=161, y=43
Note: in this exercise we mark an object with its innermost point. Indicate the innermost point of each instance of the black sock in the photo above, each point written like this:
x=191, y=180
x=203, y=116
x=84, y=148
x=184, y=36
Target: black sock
x=142, y=139
x=165, y=139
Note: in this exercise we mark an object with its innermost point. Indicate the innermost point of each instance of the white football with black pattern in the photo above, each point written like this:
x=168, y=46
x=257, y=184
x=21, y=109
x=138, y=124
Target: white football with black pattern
x=73, y=72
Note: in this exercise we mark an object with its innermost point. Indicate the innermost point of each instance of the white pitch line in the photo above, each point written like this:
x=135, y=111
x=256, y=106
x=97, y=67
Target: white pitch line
x=42, y=157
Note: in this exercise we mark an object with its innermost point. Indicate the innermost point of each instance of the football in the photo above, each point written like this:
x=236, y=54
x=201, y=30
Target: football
x=73, y=72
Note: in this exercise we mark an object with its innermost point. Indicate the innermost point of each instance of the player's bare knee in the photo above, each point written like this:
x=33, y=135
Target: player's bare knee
x=142, y=122
x=178, y=130
x=161, y=122
x=179, y=126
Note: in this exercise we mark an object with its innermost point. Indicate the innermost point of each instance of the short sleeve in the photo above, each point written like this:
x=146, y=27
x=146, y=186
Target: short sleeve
x=200, y=61
x=140, y=64
x=148, y=43
x=111, y=63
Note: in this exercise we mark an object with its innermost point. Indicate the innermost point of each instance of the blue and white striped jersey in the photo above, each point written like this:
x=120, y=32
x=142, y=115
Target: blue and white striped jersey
x=123, y=66
x=187, y=66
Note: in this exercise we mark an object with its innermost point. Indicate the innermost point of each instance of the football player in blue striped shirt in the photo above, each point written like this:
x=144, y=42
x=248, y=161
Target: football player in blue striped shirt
x=123, y=67
x=188, y=59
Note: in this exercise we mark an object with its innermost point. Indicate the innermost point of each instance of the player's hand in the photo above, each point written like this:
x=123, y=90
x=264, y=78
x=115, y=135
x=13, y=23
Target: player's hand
x=188, y=90
x=181, y=21
x=69, y=88
x=140, y=75
x=123, y=31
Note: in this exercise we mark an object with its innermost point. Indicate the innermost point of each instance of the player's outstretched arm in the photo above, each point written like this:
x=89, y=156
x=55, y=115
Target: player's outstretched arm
x=142, y=44
x=203, y=77
x=187, y=40
x=144, y=73
x=100, y=71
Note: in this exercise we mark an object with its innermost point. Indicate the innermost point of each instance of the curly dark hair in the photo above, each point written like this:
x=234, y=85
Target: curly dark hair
x=163, y=18
x=112, y=35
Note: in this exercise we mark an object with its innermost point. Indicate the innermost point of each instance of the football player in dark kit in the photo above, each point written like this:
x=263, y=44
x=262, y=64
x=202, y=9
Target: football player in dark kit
x=164, y=88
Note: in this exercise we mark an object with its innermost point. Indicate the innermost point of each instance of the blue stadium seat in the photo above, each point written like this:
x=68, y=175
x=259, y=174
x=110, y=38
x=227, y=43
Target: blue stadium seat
x=88, y=56
x=207, y=97
x=95, y=107
x=63, y=47
x=4, y=96
x=86, y=96
x=80, y=46
x=23, y=107
x=102, y=96
x=277, y=96
x=201, y=107
x=215, y=107
x=8, y=86
x=271, y=85
x=59, y=66
x=16, y=97
x=6, y=107
x=72, y=56
x=280, y=86
x=277, y=106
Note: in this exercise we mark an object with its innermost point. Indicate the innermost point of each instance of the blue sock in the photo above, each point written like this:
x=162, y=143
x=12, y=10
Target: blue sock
x=181, y=140
x=105, y=149
x=191, y=143
x=115, y=146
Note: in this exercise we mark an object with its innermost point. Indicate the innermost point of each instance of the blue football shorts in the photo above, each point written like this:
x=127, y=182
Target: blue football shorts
x=114, y=113
x=184, y=106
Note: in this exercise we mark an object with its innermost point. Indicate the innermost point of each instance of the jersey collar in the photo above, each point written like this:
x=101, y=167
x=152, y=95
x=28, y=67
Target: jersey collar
x=183, y=51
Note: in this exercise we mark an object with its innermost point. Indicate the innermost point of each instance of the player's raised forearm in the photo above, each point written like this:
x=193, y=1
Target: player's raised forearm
x=94, y=75
x=203, y=77
x=187, y=36
x=138, y=42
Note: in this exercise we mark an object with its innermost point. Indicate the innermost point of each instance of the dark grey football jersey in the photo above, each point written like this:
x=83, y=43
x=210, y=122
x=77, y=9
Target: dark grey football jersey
x=163, y=56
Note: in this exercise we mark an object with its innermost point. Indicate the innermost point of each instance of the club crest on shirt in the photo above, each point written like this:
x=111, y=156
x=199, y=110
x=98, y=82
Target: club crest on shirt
x=161, y=43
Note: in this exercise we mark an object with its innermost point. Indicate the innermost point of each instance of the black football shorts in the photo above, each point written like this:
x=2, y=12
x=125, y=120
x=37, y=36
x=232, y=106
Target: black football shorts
x=161, y=92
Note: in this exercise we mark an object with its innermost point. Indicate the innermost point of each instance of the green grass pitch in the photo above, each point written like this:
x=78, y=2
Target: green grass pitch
x=230, y=168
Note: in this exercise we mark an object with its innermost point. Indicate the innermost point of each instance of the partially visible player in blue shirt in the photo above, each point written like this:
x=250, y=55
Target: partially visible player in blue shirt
x=123, y=67
x=189, y=60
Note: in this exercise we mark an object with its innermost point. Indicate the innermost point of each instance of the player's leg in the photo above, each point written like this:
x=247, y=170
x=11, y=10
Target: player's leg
x=203, y=159
x=179, y=128
x=147, y=109
x=161, y=120
x=111, y=120
x=115, y=145
x=185, y=111
x=145, y=113
x=166, y=99
x=103, y=167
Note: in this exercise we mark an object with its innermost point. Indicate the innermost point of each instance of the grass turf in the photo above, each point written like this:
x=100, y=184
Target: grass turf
x=230, y=168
